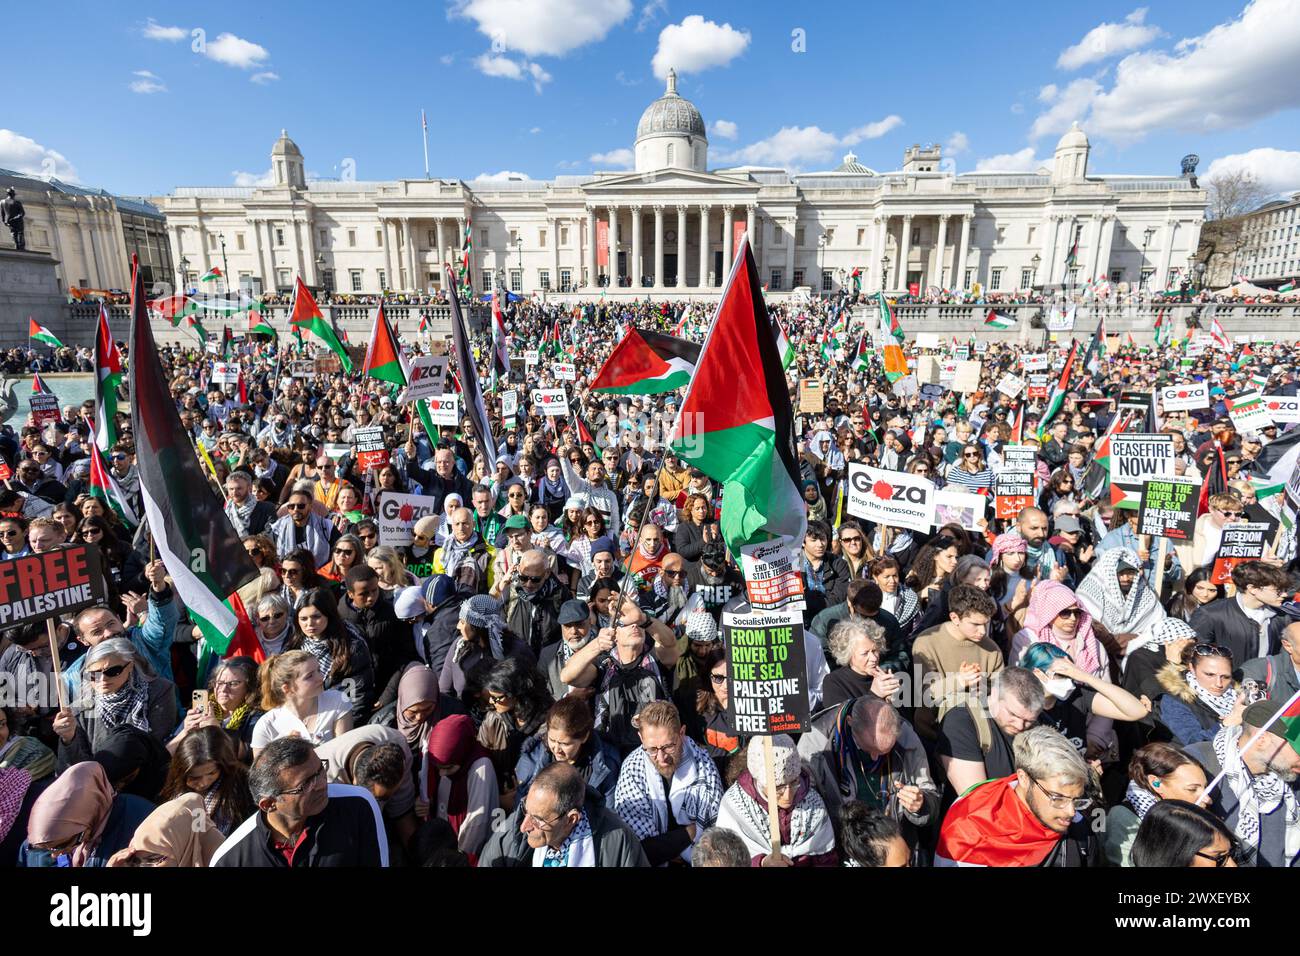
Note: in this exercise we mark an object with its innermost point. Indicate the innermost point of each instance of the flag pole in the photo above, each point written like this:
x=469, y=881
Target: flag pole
x=424, y=124
x=1259, y=733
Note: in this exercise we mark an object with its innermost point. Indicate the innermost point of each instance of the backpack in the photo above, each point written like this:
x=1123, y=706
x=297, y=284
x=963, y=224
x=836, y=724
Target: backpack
x=979, y=717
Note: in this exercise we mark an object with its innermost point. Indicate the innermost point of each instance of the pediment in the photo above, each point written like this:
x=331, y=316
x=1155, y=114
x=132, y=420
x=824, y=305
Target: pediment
x=668, y=181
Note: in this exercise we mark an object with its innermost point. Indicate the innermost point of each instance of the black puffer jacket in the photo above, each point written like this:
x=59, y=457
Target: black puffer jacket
x=389, y=639
x=536, y=617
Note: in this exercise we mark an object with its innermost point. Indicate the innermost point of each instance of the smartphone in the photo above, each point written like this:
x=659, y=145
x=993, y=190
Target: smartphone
x=199, y=701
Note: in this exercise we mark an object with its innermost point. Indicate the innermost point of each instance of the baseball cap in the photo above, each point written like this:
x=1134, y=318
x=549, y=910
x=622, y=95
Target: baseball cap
x=516, y=523
x=1068, y=523
x=1261, y=712
x=574, y=612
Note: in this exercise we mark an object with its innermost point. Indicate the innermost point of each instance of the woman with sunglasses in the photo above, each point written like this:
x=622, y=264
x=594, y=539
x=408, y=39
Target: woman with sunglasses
x=348, y=552
x=1200, y=696
x=1061, y=486
x=1225, y=508
x=123, y=566
x=273, y=624
x=79, y=821
x=1158, y=771
x=340, y=649
x=1179, y=834
x=593, y=529
x=261, y=550
x=118, y=687
x=298, y=572
x=13, y=537
x=1056, y=617
x=969, y=473
x=512, y=699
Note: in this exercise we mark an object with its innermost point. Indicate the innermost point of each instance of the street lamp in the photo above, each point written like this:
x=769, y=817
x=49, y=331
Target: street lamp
x=185, y=268
x=519, y=245
x=821, y=263
x=1142, y=267
x=1035, y=262
x=884, y=271
x=320, y=271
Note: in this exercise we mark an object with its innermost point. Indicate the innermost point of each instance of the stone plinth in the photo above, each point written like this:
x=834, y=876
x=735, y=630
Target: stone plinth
x=29, y=287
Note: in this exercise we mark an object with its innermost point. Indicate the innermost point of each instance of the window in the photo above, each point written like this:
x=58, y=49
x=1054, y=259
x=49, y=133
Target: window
x=352, y=238
x=670, y=154
x=354, y=276
x=1146, y=275
x=564, y=235
x=1026, y=278
x=862, y=236
x=566, y=280
x=383, y=279
x=1001, y=234
x=482, y=238
x=516, y=280
x=798, y=238
x=916, y=237
x=1116, y=275
x=379, y=238
x=828, y=281
x=514, y=238
x=246, y=281
x=544, y=279
x=1029, y=239
x=323, y=236
x=435, y=278
x=282, y=278
x=1073, y=278
x=488, y=280
x=776, y=280
x=995, y=280
x=327, y=279
x=239, y=241
x=798, y=278
x=541, y=238
x=279, y=236
x=966, y=279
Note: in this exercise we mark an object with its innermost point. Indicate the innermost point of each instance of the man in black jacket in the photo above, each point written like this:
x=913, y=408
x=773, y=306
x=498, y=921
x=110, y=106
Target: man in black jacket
x=1248, y=624
x=370, y=608
x=246, y=513
x=301, y=820
x=443, y=480
x=532, y=602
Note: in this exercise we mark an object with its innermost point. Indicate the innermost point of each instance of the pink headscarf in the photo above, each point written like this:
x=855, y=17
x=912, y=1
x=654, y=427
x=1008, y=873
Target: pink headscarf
x=1046, y=601
x=78, y=801
x=1009, y=542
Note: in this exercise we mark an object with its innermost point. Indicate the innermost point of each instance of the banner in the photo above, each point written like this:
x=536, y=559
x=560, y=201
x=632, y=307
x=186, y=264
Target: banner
x=892, y=498
x=44, y=407
x=967, y=377
x=337, y=450
x=1038, y=385
x=1282, y=409
x=532, y=358
x=372, y=450
x=65, y=580
x=1011, y=385
x=981, y=347
x=1135, y=460
x=396, y=515
x=961, y=353
x=1240, y=543
x=302, y=368
x=428, y=377
x=509, y=405
x=553, y=401
x=445, y=409
x=929, y=340
x=564, y=372
x=1248, y=412
x=1060, y=319
x=1168, y=508
x=1014, y=485
x=961, y=508
x=1034, y=362
x=767, y=672
x=1186, y=397
x=225, y=373
x=772, y=580
x=812, y=398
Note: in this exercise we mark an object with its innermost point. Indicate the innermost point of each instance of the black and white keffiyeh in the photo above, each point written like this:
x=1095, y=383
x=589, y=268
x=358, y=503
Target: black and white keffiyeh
x=321, y=651
x=694, y=794
x=1140, y=800
x=1136, y=612
x=129, y=704
x=1221, y=704
x=810, y=830
x=1256, y=794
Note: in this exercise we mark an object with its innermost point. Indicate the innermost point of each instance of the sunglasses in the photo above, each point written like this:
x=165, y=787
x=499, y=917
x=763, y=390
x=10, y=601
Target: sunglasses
x=675, y=572
x=971, y=454
x=1231, y=514
x=108, y=673
x=852, y=539
x=275, y=616
x=298, y=507
x=1071, y=612
x=1211, y=650
x=347, y=551
x=530, y=579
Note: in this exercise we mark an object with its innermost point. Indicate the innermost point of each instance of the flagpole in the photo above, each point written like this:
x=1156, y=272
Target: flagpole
x=424, y=123
x=1253, y=740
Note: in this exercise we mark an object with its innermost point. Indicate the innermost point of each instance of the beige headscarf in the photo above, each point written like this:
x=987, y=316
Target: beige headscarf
x=78, y=801
x=180, y=830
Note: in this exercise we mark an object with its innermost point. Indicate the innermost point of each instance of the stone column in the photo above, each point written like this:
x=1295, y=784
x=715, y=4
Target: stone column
x=792, y=229
x=455, y=252
x=728, y=231
x=614, y=275
x=591, y=247
x=1162, y=277
x=659, y=245
x=904, y=252
x=704, y=246
x=959, y=280
x=412, y=281
x=635, y=270
x=555, y=253
x=440, y=251
x=1107, y=240
x=880, y=248
x=750, y=210
x=306, y=256
x=681, y=247
x=939, y=253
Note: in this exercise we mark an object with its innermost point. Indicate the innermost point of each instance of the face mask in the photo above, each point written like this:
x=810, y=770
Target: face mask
x=1060, y=687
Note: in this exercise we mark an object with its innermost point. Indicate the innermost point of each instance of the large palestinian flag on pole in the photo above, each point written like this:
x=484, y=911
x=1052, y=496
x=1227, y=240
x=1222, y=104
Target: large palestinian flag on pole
x=305, y=315
x=1057, y=398
x=108, y=376
x=190, y=530
x=475, y=411
x=736, y=424
x=647, y=363
x=383, y=358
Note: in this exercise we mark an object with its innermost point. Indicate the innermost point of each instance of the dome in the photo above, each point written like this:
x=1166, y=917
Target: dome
x=1074, y=138
x=670, y=115
x=284, y=146
x=851, y=165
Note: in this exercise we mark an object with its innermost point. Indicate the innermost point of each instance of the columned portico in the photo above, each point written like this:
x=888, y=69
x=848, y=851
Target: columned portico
x=959, y=280
x=704, y=246
x=728, y=232
x=680, y=279
x=635, y=270
x=659, y=246
x=904, y=253
x=614, y=274
x=591, y=248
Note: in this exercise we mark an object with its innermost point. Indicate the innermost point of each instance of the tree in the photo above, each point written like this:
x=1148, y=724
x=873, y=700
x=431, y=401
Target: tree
x=1233, y=192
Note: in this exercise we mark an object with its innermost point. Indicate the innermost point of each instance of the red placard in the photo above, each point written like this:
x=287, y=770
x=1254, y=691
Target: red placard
x=372, y=459
x=1010, y=506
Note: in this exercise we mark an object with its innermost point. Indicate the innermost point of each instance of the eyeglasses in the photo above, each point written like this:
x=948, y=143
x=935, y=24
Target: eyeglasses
x=666, y=750
x=718, y=679
x=273, y=616
x=497, y=699
x=591, y=521
x=1219, y=861
x=309, y=782
x=227, y=684
x=107, y=673
x=1211, y=650
x=540, y=823
x=1060, y=801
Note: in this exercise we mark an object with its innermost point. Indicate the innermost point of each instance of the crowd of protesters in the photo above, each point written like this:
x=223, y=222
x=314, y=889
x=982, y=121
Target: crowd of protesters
x=539, y=677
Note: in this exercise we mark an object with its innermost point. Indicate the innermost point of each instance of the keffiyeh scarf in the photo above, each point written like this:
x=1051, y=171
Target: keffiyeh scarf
x=1256, y=795
x=1140, y=800
x=240, y=514
x=1046, y=601
x=1133, y=613
x=809, y=832
x=1221, y=704
x=578, y=849
x=321, y=651
x=694, y=793
x=127, y=705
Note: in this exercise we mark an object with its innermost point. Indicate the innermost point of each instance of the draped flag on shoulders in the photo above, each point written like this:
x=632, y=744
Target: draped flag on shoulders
x=736, y=423
x=187, y=521
x=647, y=363
x=990, y=825
x=108, y=376
x=475, y=410
x=305, y=315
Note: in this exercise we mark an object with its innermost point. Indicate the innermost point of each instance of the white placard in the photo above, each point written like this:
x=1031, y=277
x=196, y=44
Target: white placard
x=397, y=514
x=947, y=371
x=564, y=372
x=509, y=405
x=1282, y=408
x=1249, y=412
x=1034, y=362
x=1011, y=385
x=892, y=498
x=531, y=358
x=1186, y=397
x=961, y=507
x=444, y=409
x=225, y=373
x=772, y=578
x=427, y=377
x=553, y=401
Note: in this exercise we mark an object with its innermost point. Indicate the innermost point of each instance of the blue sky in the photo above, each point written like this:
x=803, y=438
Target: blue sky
x=542, y=87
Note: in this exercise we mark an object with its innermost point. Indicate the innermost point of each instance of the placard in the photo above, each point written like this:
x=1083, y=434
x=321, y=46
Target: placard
x=812, y=398
x=326, y=363
x=929, y=340
x=337, y=450
x=428, y=377
x=554, y=402
x=509, y=405
x=1037, y=385
x=1060, y=319
x=947, y=371
x=1136, y=401
x=372, y=451
x=905, y=386
x=772, y=580
x=564, y=372
x=225, y=373
x=932, y=393
x=927, y=370
x=1282, y=409
x=1168, y=508
x=532, y=357
x=1196, y=347
x=64, y=580
x=396, y=514
x=1248, y=412
x=45, y=408
x=1011, y=385
x=960, y=507
x=767, y=672
x=892, y=498
x=1240, y=543
x=961, y=353
x=1134, y=460
x=981, y=347
x=1186, y=397
x=444, y=409
x=967, y=377
x=212, y=346
x=1014, y=484
x=1034, y=362
x=302, y=368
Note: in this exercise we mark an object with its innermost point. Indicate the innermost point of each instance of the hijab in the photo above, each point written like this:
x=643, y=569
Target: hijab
x=175, y=830
x=454, y=740
x=14, y=782
x=419, y=685
x=78, y=801
x=1047, y=600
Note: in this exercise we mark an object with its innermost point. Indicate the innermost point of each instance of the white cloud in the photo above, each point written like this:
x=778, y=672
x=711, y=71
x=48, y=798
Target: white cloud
x=724, y=129
x=1018, y=162
x=1234, y=74
x=535, y=130
x=504, y=176
x=235, y=51
x=253, y=179
x=650, y=12
x=23, y=154
x=542, y=27
x=795, y=147
x=156, y=31
x=1066, y=106
x=148, y=83
x=1017, y=108
x=1109, y=39
x=614, y=159
x=508, y=69
x=261, y=79
x=1277, y=170
x=624, y=81
x=697, y=44
x=957, y=144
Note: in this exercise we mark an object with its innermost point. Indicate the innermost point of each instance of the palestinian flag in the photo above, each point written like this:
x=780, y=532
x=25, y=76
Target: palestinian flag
x=500, y=341
x=585, y=434
x=212, y=275
x=647, y=363
x=383, y=357
x=1096, y=347
x=1059, y=390
x=1163, y=328
x=1288, y=286
x=41, y=334
x=108, y=378
x=856, y=276
x=258, y=325
x=996, y=320
x=187, y=522
x=424, y=322
x=1280, y=458
x=888, y=321
x=862, y=359
x=782, y=344
x=105, y=487
x=227, y=343
x=38, y=385
x=736, y=424
x=471, y=393
x=306, y=316
x=1072, y=257
x=990, y=825
x=1221, y=338
x=174, y=307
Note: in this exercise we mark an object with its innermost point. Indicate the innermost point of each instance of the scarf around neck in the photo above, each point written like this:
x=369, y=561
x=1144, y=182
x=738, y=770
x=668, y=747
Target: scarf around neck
x=1221, y=704
x=1256, y=794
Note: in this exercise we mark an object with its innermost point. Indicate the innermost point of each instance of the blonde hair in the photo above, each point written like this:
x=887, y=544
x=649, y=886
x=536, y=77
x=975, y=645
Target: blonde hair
x=658, y=713
x=276, y=671
x=394, y=567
